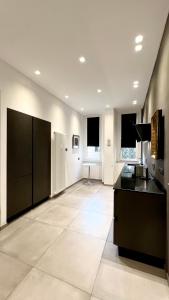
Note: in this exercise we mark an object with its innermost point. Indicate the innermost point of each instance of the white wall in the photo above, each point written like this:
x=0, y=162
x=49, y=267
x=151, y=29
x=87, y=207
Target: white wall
x=109, y=147
x=21, y=94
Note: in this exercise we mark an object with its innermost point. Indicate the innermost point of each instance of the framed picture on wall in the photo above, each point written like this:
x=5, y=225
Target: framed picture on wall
x=75, y=141
x=157, y=135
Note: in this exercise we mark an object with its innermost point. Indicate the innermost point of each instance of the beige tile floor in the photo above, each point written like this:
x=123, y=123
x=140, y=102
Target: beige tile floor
x=64, y=250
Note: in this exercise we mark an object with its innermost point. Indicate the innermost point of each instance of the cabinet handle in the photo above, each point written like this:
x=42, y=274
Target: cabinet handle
x=116, y=218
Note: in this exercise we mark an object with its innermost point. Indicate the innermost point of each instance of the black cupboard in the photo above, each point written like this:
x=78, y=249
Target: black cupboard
x=28, y=162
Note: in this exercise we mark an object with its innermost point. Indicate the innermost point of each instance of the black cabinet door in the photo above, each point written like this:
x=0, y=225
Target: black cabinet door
x=41, y=160
x=19, y=162
x=140, y=222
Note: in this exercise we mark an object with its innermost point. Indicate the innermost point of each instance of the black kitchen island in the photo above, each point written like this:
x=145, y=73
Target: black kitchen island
x=140, y=217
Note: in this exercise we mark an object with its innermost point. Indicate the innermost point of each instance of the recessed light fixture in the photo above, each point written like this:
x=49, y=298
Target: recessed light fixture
x=99, y=91
x=134, y=102
x=82, y=59
x=136, y=84
x=37, y=72
x=82, y=109
x=139, y=39
x=138, y=47
x=107, y=106
x=66, y=97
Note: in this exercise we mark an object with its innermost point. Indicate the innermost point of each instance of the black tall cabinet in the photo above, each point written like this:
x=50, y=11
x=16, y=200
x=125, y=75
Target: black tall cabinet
x=19, y=162
x=41, y=159
x=28, y=162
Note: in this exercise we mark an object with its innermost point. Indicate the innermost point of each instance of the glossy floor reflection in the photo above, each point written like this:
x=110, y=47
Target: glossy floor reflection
x=63, y=249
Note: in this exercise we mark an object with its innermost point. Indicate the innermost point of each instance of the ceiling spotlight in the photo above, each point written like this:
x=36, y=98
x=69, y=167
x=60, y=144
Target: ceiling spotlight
x=82, y=59
x=66, y=97
x=136, y=82
x=138, y=47
x=134, y=102
x=82, y=109
x=107, y=106
x=99, y=91
x=138, y=39
x=37, y=72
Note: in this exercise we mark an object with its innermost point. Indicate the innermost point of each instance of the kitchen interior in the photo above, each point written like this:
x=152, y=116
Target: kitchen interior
x=84, y=195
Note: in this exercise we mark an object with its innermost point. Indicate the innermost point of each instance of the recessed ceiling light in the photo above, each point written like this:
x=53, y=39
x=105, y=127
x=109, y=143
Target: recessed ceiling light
x=136, y=82
x=138, y=39
x=66, y=97
x=138, y=47
x=82, y=109
x=107, y=106
x=82, y=59
x=99, y=91
x=134, y=102
x=37, y=72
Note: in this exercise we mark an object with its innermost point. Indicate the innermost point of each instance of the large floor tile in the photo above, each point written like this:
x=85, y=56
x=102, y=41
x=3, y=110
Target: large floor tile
x=111, y=254
x=28, y=245
x=100, y=205
x=40, y=286
x=11, y=273
x=74, y=258
x=13, y=228
x=117, y=282
x=72, y=201
x=59, y=216
x=94, y=224
x=37, y=211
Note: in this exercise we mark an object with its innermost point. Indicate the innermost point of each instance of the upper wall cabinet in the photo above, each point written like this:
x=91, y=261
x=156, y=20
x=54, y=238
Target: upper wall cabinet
x=93, y=132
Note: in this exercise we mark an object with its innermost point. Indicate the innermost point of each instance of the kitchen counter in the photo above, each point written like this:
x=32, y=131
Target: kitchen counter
x=127, y=181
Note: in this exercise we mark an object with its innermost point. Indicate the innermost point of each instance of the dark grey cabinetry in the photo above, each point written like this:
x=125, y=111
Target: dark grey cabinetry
x=140, y=222
x=140, y=215
x=41, y=159
x=19, y=162
x=28, y=162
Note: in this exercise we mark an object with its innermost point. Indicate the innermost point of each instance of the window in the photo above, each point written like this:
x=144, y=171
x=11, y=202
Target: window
x=128, y=153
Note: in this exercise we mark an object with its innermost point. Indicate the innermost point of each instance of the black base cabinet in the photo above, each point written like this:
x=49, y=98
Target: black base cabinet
x=140, y=217
x=28, y=162
x=140, y=222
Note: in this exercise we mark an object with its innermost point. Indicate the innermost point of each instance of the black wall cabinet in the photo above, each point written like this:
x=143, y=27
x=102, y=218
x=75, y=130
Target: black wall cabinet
x=28, y=162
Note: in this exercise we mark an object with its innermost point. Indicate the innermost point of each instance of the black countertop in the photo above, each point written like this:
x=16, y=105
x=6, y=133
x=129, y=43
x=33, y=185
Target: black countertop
x=127, y=181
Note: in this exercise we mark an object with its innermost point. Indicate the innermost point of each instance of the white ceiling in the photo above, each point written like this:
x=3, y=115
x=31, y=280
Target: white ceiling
x=50, y=35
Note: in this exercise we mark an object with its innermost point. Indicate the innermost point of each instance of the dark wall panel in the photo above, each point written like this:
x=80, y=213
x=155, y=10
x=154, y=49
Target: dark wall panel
x=19, y=162
x=41, y=160
x=93, y=132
